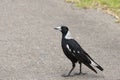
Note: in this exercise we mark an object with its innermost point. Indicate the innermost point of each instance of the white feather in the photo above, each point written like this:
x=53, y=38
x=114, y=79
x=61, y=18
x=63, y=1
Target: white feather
x=68, y=36
x=93, y=63
x=78, y=51
x=73, y=51
x=68, y=47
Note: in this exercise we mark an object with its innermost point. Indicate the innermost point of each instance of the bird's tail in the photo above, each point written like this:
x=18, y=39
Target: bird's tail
x=89, y=66
x=96, y=65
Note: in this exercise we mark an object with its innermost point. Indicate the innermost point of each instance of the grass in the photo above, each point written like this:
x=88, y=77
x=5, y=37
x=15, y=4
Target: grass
x=111, y=7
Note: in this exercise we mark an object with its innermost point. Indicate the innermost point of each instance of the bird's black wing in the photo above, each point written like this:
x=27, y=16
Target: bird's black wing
x=78, y=52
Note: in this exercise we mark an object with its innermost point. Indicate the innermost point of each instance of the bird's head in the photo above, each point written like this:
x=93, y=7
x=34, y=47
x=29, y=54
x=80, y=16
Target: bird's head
x=65, y=31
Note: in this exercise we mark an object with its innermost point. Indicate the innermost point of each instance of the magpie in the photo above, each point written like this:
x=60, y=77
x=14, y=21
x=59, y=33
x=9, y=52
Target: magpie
x=75, y=53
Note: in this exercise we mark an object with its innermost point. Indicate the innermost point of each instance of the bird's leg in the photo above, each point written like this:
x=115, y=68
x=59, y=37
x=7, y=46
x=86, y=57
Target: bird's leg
x=73, y=66
x=80, y=67
x=80, y=70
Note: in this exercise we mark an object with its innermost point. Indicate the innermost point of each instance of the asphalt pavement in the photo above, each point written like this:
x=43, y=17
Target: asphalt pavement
x=30, y=49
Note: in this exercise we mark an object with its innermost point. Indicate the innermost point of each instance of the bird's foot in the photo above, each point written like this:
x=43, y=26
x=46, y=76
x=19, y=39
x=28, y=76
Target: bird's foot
x=80, y=73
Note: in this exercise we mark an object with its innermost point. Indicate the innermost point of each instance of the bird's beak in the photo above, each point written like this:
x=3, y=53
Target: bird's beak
x=58, y=28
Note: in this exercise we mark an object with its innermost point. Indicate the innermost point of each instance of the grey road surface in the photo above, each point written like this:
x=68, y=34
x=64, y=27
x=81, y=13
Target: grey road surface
x=30, y=47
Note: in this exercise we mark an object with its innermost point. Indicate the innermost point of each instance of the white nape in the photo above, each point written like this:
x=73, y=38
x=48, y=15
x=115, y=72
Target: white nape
x=68, y=36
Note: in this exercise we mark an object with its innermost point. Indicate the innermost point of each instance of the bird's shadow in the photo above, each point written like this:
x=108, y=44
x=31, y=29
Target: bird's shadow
x=86, y=75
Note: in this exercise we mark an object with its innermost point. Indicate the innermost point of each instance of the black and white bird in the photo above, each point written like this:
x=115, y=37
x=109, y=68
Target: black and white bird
x=74, y=52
